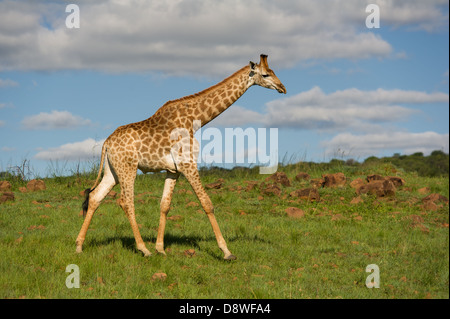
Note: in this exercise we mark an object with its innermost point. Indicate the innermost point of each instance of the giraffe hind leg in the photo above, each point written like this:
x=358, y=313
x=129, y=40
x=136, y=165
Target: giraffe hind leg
x=93, y=200
x=85, y=205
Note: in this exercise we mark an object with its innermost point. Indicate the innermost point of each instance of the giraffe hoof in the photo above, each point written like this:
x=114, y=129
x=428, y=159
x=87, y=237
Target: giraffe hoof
x=145, y=251
x=230, y=257
x=160, y=249
x=79, y=250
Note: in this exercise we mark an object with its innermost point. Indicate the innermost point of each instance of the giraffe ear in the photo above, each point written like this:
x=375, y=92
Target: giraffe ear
x=252, y=67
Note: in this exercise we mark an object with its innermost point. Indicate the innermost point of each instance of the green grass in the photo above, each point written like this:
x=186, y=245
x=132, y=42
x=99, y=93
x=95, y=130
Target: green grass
x=321, y=255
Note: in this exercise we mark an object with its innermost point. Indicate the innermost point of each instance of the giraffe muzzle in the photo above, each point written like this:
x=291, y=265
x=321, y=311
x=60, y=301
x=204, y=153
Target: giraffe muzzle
x=281, y=89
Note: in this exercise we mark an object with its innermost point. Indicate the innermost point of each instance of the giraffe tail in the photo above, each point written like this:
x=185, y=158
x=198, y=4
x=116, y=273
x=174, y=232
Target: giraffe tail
x=85, y=204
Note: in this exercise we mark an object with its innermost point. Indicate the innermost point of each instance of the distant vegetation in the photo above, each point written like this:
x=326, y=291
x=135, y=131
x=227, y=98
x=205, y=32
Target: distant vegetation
x=436, y=164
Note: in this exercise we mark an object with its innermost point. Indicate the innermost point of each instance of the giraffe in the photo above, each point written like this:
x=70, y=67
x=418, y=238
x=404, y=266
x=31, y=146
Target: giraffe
x=152, y=146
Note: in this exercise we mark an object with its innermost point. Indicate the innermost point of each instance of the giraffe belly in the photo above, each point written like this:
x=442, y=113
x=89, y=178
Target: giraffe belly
x=163, y=163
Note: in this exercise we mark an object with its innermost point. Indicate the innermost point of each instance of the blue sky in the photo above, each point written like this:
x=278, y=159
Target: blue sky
x=352, y=92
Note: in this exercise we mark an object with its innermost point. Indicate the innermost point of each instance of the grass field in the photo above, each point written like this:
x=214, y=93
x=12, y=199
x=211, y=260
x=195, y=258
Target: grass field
x=323, y=254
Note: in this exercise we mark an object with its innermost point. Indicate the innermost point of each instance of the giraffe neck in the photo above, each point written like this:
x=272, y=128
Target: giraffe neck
x=208, y=104
x=221, y=96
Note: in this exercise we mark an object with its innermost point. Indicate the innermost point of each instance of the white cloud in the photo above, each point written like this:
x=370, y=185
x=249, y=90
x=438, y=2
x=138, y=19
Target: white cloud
x=54, y=120
x=7, y=83
x=198, y=36
x=387, y=96
x=376, y=143
x=364, y=121
x=416, y=15
x=83, y=150
x=350, y=109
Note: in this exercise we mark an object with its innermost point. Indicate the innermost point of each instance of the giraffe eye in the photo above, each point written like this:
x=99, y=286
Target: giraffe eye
x=265, y=75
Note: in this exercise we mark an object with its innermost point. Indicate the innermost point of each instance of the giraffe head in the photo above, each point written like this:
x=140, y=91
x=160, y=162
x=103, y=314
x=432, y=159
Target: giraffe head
x=260, y=74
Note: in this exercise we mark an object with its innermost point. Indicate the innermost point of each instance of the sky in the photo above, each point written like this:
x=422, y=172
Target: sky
x=353, y=90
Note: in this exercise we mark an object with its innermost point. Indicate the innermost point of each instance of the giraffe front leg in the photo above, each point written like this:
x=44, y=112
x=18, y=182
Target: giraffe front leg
x=128, y=207
x=127, y=203
x=194, y=179
x=166, y=199
x=220, y=240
